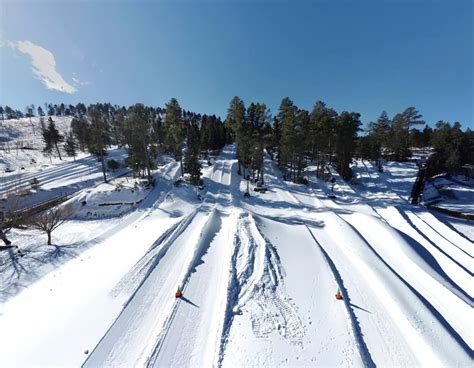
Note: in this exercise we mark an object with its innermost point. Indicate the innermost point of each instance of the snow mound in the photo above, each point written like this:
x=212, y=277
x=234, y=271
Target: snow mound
x=109, y=200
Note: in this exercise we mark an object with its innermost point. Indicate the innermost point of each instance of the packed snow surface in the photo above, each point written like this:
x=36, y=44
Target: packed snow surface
x=259, y=276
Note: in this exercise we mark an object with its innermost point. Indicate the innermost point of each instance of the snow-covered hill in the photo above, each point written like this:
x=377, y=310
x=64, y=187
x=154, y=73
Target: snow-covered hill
x=23, y=162
x=259, y=274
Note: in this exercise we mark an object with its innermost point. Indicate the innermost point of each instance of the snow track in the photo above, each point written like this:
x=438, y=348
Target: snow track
x=455, y=239
x=192, y=254
x=416, y=270
x=333, y=235
x=135, y=278
x=193, y=333
x=433, y=249
x=259, y=275
x=275, y=317
x=128, y=341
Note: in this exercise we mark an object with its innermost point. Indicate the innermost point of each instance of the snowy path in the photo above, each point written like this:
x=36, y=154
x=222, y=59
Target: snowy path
x=370, y=311
x=284, y=309
x=334, y=233
x=125, y=342
x=193, y=335
x=419, y=271
x=289, y=313
x=457, y=272
x=397, y=321
x=145, y=327
x=460, y=242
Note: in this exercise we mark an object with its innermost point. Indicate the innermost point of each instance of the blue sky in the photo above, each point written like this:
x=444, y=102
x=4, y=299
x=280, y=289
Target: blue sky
x=364, y=56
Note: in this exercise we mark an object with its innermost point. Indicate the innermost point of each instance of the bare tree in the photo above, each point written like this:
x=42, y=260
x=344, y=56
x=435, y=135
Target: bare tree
x=3, y=235
x=9, y=218
x=51, y=219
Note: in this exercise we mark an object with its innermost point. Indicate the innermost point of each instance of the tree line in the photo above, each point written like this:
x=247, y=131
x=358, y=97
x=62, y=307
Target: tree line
x=294, y=136
x=324, y=137
x=146, y=132
x=395, y=139
x=62, y=109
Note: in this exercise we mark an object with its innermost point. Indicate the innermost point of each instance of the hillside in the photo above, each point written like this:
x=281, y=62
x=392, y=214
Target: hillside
x=22, y=160
x=259, y=275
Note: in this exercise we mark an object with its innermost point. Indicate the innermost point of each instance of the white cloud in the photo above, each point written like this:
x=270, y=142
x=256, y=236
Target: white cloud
x=78, y=82
x=43, y=65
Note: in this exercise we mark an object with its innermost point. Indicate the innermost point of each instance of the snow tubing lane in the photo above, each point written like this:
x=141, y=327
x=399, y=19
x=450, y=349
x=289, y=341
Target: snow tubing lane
x=363, y=350
x=208, y=232
x=167, y=240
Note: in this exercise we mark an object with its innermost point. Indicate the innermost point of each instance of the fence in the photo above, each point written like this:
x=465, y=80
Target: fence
x=26, y=212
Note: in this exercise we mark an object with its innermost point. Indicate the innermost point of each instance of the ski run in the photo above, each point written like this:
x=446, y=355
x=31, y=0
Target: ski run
x=259, y=276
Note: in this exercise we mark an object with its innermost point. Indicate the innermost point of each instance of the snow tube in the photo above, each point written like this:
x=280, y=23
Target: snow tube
x=179, y=294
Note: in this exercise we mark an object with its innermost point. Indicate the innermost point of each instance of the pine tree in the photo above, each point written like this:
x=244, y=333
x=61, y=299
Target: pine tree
x=256, y=137
x=9, y=112
x=174, y=130
x=287, y=115
x=137, y=135
x=54, y=137
x=46, y=139
x=29, y=114
x=236, y=121
x=346, y=131
x=381, y=129
x=276, y=133
x=98, y=136
x=70, y=145
x=81, y=131
x=452, y=148
x=416, y=138
x=322, y=134
x=191, y=157
x=401, y=124
x=427, y=134
x=377, y=138
x=205, y=132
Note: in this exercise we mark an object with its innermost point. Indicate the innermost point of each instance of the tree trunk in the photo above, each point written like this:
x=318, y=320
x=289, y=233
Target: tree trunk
x=317, y=164
x=32, y=126
x=57, y=149
x=49, y=237
x=4, y=238
x=147, y=162
x=181, y=163
x=292, y=169
x=103, y=167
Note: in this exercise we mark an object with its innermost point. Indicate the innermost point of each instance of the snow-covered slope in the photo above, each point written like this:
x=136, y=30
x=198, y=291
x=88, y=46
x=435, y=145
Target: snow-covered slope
x=259, y=275
x=22, y=162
